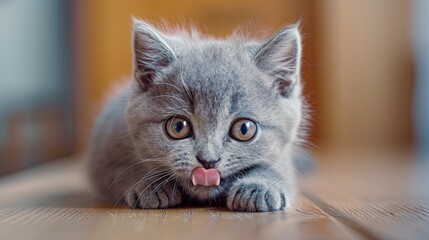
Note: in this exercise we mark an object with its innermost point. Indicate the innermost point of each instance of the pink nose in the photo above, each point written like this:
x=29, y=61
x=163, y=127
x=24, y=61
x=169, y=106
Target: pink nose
x=205, y=177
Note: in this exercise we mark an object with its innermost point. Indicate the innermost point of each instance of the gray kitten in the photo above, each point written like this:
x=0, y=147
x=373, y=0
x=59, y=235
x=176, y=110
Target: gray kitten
x=203, y=121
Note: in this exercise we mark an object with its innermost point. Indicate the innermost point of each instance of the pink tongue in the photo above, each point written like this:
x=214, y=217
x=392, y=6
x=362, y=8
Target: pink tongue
x=205, y=177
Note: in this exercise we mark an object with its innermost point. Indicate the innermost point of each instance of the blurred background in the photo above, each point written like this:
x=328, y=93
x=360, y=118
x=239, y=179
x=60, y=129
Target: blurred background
x=365, y=67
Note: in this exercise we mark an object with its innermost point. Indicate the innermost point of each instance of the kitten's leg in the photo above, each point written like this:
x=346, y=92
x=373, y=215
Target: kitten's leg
x=261, y=190
x=117, y=176
x=135, y=184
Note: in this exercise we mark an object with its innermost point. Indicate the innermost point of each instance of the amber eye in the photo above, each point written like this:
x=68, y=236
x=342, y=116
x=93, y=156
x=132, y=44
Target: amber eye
x=243, y=130
x=178, y=128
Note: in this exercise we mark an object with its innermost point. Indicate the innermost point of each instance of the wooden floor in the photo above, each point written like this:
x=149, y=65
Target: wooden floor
x=362, y=198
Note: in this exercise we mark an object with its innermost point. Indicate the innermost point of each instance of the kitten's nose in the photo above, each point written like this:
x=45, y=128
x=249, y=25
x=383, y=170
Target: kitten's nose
x=207, y=164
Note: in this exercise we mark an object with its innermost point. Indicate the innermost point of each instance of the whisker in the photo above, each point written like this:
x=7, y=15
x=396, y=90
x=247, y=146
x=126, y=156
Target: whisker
x=122, y=172
x=159, y=178
x=146, y=175
x=166, y=96
x=163, y=183
x=138, y=182
x=129, y=189
x=138, y=199
x=168, y=84
x=174, y=191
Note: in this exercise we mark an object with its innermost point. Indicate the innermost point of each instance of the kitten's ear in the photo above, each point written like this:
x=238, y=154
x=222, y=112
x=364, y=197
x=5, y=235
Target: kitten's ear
x=151, y=53
x=280, y=58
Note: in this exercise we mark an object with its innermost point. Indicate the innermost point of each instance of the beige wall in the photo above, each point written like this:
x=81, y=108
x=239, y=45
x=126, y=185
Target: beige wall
x=367, y=74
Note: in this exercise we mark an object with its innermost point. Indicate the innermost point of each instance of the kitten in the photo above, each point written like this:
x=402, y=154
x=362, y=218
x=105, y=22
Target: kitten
x=203, y=120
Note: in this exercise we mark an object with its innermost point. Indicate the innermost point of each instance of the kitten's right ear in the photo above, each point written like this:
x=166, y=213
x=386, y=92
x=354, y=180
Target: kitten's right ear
x=151, y=53
x=280, y=58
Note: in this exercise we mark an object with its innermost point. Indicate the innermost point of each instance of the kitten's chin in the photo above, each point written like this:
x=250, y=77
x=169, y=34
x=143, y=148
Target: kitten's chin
x=204, y=193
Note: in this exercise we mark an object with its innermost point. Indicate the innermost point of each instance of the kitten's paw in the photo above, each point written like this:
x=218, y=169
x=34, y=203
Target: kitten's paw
x=152, y=197
x=256, y=197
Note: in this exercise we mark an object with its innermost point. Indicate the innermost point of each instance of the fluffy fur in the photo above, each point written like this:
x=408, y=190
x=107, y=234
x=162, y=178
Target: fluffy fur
x=211, y=82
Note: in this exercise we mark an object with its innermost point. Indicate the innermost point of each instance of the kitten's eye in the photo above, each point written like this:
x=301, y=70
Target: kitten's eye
x=243, y=130
x=178, y=128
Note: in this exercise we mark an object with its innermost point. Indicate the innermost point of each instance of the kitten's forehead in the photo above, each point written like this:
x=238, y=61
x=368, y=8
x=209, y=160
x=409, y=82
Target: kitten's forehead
x=222, y=77
x=218, y=74
x=214, y=60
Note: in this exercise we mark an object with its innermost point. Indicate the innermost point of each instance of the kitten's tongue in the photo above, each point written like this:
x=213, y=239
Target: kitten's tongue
x=205, y=177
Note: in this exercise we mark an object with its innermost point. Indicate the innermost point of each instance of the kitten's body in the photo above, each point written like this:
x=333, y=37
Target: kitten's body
x=211, y=83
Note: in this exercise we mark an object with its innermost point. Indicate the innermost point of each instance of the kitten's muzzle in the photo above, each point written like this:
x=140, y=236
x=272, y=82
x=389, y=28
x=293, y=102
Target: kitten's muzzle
x=207, y=164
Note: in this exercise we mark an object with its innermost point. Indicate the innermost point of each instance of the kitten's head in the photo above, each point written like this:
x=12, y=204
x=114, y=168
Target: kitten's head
x=224, y=104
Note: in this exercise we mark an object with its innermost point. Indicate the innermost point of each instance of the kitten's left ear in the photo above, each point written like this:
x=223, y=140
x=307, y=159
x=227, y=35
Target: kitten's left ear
x=280, y=58
x=151, y=53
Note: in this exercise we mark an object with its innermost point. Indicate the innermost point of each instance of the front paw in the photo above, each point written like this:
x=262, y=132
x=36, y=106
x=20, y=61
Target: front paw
x=154, y=196
x=256, y=197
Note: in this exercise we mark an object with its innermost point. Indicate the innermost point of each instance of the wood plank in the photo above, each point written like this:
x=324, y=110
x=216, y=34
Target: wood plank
x=376, y=198
x=54, y=202
x=166, y=224
x=367, y=201
x=381, y=220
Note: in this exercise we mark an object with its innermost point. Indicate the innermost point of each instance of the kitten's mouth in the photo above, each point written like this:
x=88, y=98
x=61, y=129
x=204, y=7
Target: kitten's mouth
x=205, y=177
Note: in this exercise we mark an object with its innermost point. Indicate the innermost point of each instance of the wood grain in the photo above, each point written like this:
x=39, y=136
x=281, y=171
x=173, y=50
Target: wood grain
x=167, y=224
x=54, y=202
